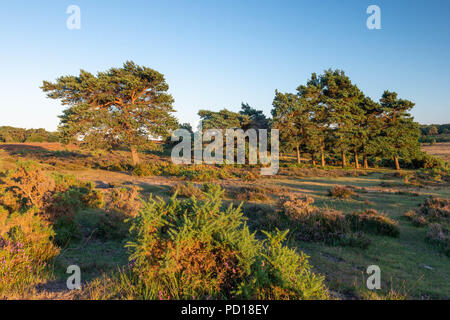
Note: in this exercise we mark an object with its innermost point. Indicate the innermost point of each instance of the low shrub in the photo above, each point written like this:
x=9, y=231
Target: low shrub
x=373, y=222
x=25, y=186
x=296, y=207
x=146, y=169
x=195, y=250
x=314, y=224
x=416, y=219
x=249, y=193
x=439, y=235
x=25, y=251
x=124, y=200
x=341, y=192
x=187, y=190
x=435, y=209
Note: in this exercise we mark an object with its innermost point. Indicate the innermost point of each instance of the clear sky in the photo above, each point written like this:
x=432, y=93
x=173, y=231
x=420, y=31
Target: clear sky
x=219, y=53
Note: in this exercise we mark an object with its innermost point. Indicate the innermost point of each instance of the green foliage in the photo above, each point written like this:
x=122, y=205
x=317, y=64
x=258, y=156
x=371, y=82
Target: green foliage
x=19, y=135
x=187, y=190
x=119, y=107
x=223, y=119
x=194, y=250
x=66, y=230
x=330, y=116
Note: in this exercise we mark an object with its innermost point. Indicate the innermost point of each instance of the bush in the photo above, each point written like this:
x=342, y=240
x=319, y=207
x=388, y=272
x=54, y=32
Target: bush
x=296, y=207
x=417, y=220
x=325, y=225
x=435, y=209
x=24, y=187
x=56, y=198
x=112, y=225
x=341, y=192
x=75, y=198
x=195, y=250
x=212, y=188
x=187, y=190
x=439, y=235
x=146, y=169
x=25, y=251
x=66, y=230
x=124, y=200
x=373, y=222
x=249, y=193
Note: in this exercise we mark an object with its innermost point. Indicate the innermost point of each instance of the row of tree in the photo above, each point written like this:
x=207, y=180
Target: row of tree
x=329, y=115
x=11, y=134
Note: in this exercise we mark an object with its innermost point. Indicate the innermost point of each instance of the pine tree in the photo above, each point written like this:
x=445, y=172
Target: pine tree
x=125, y=106
x=400, y=135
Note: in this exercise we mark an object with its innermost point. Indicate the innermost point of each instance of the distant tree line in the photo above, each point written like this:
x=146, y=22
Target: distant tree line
x=435, y=133
x=20, y=135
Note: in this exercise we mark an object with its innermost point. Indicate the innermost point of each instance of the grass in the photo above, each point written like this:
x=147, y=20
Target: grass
x=408, y=263
x=402, y=260
x=410, y=266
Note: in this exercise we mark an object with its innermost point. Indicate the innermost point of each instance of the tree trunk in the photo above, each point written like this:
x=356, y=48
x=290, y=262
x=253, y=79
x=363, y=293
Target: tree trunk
x=356, y=160
x=134, y=156
x=344, y=161
x=366, y=164
x=313, y=158
x=298, y=154
x=322, y=157
x=397, y=165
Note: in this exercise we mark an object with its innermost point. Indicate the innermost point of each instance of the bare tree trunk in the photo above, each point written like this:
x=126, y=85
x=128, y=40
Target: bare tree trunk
x=298, y=154
x=356, y=160
x=322, y=157
x=397, y=165
x=313, y=158
x=366, y=164
x=134, y=156
x=344, y=161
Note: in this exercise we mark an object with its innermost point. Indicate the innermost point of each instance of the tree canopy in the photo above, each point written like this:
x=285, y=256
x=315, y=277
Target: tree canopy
x=126, y=106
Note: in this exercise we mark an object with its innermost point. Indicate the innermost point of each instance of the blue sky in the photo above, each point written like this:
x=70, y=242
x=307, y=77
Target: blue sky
x=217, y=54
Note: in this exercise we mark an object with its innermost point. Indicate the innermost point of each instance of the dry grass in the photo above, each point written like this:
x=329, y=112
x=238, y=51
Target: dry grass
x=440, y=149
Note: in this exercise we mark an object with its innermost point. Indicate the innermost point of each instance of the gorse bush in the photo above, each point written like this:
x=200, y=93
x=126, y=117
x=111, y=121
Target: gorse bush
x=24, y=187
x=56, y=198
x=194, y=249
x=25, y=251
